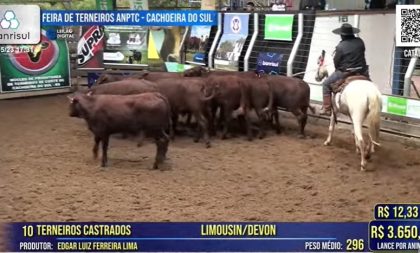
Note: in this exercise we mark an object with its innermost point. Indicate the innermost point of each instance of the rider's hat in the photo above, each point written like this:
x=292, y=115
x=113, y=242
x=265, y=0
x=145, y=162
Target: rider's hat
x=346, y=29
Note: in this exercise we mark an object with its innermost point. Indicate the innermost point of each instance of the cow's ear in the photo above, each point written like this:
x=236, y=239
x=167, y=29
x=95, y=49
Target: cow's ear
x=72, y=99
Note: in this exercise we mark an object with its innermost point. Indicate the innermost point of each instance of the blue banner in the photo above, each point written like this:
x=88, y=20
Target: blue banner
x=269, y=63
x=188, y=237
x=130, y=18
x=394, y=235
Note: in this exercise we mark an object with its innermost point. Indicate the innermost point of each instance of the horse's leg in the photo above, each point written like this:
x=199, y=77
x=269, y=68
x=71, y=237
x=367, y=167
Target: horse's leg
x=330, y=130
x=354, y=137
x=357, y=126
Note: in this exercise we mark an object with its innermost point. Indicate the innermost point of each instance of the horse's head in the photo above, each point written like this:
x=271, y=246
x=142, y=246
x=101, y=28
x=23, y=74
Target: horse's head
x=321, y=73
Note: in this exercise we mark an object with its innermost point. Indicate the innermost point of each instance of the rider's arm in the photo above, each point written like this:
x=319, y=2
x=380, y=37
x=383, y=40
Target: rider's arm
x=337, y=57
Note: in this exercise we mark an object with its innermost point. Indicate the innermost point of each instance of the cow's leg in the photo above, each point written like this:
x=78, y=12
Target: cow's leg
x=162, y=142
x=96, y=147
x=261, y=125
x=248, y=124
x=105, y=141
x=221, y=118
x=203, y=124
x=188, y=121
x=140, y=139
x=174, y=125
x=227, y=113
x=276, y=116
x=301, y=118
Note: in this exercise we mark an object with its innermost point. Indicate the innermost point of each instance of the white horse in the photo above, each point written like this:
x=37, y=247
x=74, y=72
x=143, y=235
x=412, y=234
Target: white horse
x=360, y=100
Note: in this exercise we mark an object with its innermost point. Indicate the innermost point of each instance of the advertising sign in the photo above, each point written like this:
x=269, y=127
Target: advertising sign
x=278, y=27
x=235, y=29
x=177, y=67
x=90, y=48
x=269, y=63
x=125, y=45
x=35, y=67
x=196, y=44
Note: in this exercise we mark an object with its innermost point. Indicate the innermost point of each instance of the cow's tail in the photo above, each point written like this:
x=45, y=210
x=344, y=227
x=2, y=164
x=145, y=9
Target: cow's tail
x=207, y=98
x=169, y=115
x=270, y=97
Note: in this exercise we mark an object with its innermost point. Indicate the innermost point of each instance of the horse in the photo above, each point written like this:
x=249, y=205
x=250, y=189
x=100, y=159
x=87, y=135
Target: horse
x=360, y=100
x=321, y=73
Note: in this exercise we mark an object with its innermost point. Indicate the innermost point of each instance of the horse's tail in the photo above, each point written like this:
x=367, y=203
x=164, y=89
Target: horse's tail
x=374, y=118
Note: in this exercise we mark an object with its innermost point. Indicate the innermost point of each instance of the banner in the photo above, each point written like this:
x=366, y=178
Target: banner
x=165, y=44
x=35, y=67
x=189, y=237
x=269, y=62
x=128, y=18
x=125, y=45
x=176, y=67
x=401, y=106
x=278, y=27
x=235, y=27
x=197, y=43
x=90, y=48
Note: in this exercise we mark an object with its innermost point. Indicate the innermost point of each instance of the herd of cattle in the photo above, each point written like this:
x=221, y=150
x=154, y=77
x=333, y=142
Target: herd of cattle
x=150, y=103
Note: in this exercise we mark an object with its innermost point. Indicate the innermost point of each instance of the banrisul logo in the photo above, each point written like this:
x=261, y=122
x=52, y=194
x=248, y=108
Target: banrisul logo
x=17, y=27
x=9, y=21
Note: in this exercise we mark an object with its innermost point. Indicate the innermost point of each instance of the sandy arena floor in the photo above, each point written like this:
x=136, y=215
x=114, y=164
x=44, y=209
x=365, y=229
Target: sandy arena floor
x=48, y=174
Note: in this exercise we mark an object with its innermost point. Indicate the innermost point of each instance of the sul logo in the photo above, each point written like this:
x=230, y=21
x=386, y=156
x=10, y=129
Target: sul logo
x=41, y=58
x=235, y=24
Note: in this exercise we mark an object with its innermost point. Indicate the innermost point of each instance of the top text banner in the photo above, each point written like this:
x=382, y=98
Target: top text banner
x=129, y=18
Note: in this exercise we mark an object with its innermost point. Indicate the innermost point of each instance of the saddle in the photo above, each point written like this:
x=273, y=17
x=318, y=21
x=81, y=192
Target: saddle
x=348, y=77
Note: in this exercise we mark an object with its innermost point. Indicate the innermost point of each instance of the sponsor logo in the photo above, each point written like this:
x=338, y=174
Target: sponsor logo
x=40, y=58
x=235, y=24
x=278, y=28
x=89, y=44
x=9, y=20
x=268, y=63
x=20, y=24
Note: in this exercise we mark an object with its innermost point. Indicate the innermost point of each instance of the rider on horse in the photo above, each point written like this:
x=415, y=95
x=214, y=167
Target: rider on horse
x=349, y=54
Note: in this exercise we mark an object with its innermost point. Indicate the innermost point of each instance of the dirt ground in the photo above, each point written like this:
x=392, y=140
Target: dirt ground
x=48, y=174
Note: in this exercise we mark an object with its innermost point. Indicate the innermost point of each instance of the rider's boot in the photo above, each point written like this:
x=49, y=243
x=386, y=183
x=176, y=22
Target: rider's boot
x=326, y=107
